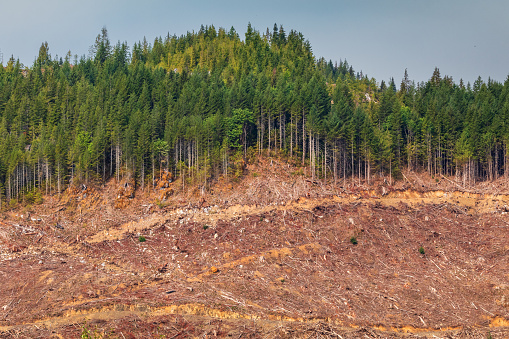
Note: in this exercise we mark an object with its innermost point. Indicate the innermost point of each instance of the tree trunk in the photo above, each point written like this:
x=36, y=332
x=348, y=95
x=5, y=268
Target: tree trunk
x=262, y=134
x=325, y=162
x=117, y=161
x=496, y=161
x=58, y=185
x=506, y=174
x=303, y=138
x=47, y=175
x=291, y=135
x=335, y=162
x=311, y=157
x=269, y=130
x=153, y=172
x=390, y=171
x=142, y=174
x=428, y=141
x=280, y=132
x=9, y=188
x=343, y=148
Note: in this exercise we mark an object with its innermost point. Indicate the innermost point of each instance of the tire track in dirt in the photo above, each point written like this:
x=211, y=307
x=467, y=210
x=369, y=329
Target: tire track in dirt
x=118, y=311
x=472, y=202
x=274, y=254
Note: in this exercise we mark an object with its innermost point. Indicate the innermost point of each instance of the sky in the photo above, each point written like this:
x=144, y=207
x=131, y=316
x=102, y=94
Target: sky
x=463, y=38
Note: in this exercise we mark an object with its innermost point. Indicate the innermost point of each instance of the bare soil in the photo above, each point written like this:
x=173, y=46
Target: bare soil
x=271, y=254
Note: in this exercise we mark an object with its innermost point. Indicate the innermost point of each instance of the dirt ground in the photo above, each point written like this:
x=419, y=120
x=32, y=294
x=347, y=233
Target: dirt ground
x=271, y=255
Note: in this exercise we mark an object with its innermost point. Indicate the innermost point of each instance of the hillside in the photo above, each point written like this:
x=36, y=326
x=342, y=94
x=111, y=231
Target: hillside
x=202, y=104
x=271, y=253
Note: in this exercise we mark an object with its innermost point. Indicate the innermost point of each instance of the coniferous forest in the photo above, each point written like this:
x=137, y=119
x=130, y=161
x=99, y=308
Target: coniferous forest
x=199, y=105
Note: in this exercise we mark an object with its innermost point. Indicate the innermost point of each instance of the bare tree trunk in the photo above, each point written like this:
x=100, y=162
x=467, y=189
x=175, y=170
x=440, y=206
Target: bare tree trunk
x=428, y=141
x=9, y=188
x=359, y=166
x=409, y=155
x=291, y=135
x=47, y=175
x=311, y=157
x=280, y=132
x=296, y=133
x=369, y=171
x=390, y=171
x=440, y=154
x=490, y=166
x=142, y=174
x=269, y=130
x=111, y=160
x=262, y=134
x=353, y=166
x=117, y=161
x=457, y=172
x=303, y=138
x=285, y=145
x=258, y=138
x=465, y=174
x=344, y=162
x=197, y=160
x=335, y=162
x=496, y=161
x=58, y=185
x=506, y=174
x=325, y=162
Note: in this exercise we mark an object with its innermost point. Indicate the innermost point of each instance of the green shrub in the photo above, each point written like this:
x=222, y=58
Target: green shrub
x=141, y=238
x=33, y=197
x=353, y=240
x=161, y=204
x=13, y=202
x=421, y=250
x=300, y=171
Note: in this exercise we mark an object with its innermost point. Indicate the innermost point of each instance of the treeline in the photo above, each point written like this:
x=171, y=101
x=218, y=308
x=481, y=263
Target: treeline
x=199, y=103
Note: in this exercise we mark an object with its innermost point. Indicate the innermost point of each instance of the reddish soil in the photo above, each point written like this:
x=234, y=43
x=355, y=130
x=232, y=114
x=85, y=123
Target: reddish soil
x=273, y=254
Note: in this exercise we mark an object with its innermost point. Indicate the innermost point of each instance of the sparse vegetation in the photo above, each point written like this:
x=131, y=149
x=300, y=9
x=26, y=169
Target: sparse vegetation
x=353, y=240
x=13, y=202
x=141, y=238
x=87, y=333
x=421, y=250
x=161, y=204
x=299, y=172
x=33, y=197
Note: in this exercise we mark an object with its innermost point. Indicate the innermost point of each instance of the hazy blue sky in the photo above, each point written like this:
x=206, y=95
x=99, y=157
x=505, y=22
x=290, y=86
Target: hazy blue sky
x=463, y=38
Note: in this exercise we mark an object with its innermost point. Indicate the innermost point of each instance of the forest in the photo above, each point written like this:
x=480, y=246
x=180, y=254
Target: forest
x=202, y=104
